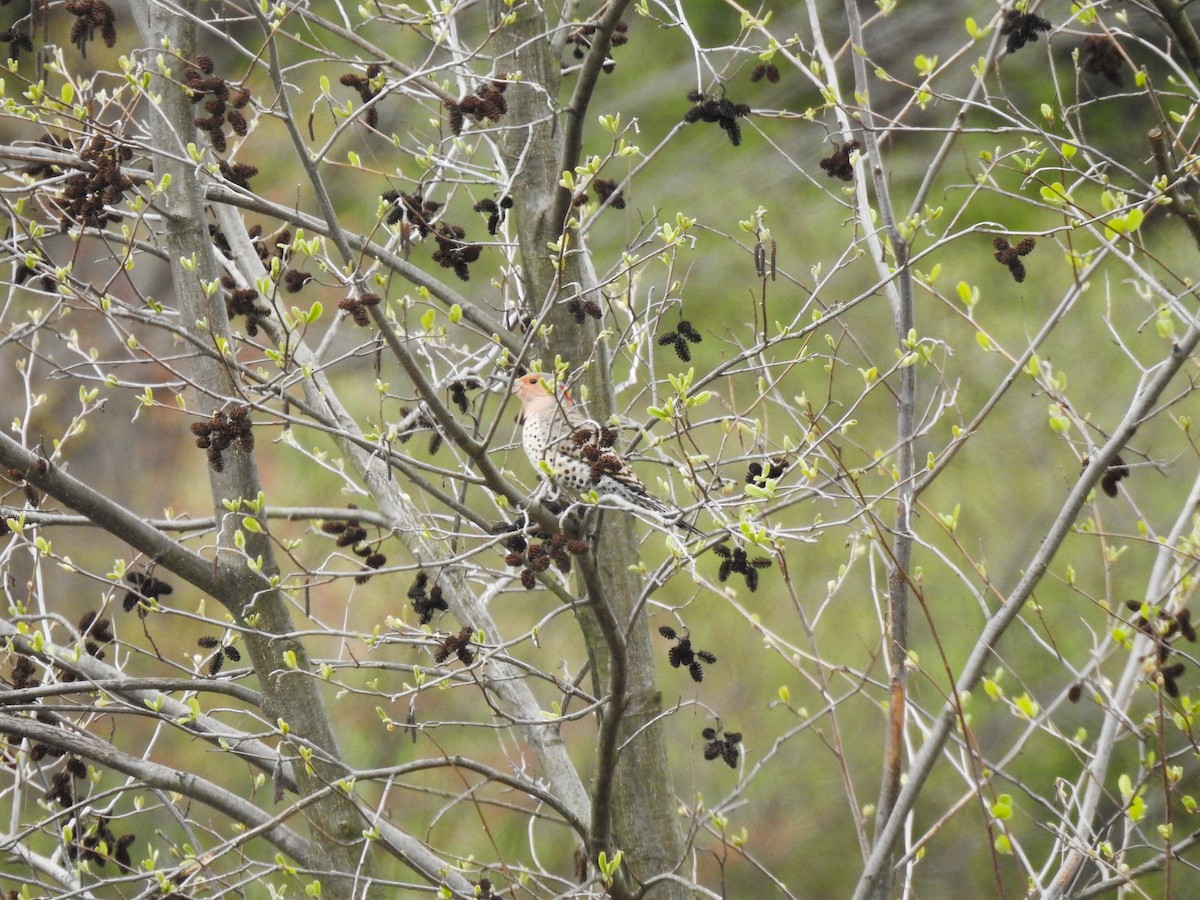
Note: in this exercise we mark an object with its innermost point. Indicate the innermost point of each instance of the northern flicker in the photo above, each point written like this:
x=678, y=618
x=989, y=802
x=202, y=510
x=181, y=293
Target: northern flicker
x=579, y=452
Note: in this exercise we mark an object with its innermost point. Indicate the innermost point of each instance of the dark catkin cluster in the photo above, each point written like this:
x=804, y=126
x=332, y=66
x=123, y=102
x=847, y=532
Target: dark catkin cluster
x=757, y=474
x=99, y=838
x=18, y=41
x=537, y=556
x=595, y=447
x=684, y=334
x=240, y=301
x=24, y=273
x=606, y=189
x=92, y=16
x=736, y=562
x=722, y=745
x=86, y=194
x=1112, y=476
x=223, y=430
x=33, y=496
x=24, y=674
x=496, y=212
x=837, y=164
x=41, y=751
x=426, y=600
x=458, y=396
x=223, y=652
x=37, y=170
x=456, y=645
x=453, y=252
x=357, y=307
x=277, y=245
x=1102, y=56
x=769, y=71
x=143, y=586
x=486, y=103
x=1163, y=630
x=1021, y=28
x=237, y=174
x=581, y=309
x=683, y=654
x=96, y=630
x=581, y=37
x=351, y=534
x=411, y=210
x=367, y=91
x=294, y=280
x=720, y=110
x=1008, y=255
x=225, y=106
x=62, y=785
x=413, y=213
x=424, y=421
x=484, y=890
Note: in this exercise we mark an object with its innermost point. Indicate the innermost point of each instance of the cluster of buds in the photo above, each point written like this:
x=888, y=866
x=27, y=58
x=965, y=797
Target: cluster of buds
x=356, y=307
x=496, y=212
x=423, y=420
x=101, y=185
x=538, y=556
x=453, y=252
x=736, y=562
x=33, y=496
x=96, y=630
x=351, y=534
x=721, y=110
x=238, y=174
x=1008, y=255
x=1116, y=470
x=225, y=106
x=411, y=210
x=221, y=431
x=756, y=474
x=1021, y=28
x=100, y=838
x=223, y=652
x=486, y=103
x=1162, y=630
x=837, y=164
x=92, y=16
x=606, y=189
x=1102, y=56
x=581, y=37
x=426, y=600
x=684, y=334
x=767, y=70
x=18, y=42
x=723, y=745
x=62, y=785
x=683, y=654
x=143, y=586
x=456, y=645
x=581, y=309
x=368, y=87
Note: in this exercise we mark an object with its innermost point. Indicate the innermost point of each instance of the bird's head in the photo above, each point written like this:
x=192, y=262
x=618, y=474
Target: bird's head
x=536, y=392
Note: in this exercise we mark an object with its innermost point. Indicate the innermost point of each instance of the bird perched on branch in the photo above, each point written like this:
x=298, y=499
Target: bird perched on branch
x=580, y=452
